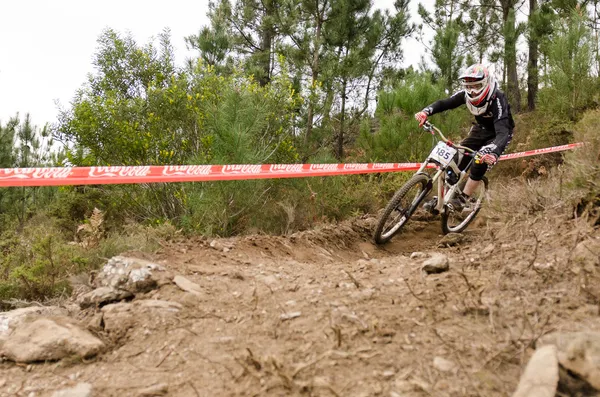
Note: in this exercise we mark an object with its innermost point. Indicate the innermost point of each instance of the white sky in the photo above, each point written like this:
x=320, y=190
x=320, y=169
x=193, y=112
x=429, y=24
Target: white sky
x=46, y=47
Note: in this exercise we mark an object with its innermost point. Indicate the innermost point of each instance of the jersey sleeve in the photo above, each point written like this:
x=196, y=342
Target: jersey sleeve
x=502, y=123
x=446, y=104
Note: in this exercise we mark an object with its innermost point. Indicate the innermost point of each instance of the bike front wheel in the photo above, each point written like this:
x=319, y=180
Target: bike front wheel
x=401, y=207
x=456, y=222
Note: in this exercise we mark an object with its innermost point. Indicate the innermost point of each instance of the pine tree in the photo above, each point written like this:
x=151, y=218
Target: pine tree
x=446, y=53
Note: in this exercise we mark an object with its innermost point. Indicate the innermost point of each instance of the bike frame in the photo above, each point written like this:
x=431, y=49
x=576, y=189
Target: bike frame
x=440, y=175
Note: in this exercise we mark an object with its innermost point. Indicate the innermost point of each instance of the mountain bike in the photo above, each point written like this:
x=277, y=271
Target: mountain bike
x=441, y=167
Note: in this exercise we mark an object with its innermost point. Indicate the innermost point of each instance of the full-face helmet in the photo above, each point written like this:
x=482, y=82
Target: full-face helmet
x=479, y=86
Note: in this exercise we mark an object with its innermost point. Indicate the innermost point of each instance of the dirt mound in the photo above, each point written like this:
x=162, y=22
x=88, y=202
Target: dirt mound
x=325, y=312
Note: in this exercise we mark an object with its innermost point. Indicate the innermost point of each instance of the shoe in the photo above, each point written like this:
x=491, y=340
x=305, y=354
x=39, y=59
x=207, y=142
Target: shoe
x=458, y=203
x=430, y=205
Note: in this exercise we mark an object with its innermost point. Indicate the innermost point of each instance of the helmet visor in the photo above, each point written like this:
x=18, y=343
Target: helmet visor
x=473, y=88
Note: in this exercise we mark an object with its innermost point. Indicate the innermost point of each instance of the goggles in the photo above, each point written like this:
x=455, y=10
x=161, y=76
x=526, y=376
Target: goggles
x=473, y=87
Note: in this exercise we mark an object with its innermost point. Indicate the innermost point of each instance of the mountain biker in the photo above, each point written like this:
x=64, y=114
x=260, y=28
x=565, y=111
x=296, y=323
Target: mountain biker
x=489, y=135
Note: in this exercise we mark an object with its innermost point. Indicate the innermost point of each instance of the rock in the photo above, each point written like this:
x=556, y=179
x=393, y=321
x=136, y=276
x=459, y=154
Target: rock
x=289, y=316
x=540, y=378
x=160, y=389
x=81, y=390
x=96, y=323
x=165, y=306
x=12, y=319
x=451, y=239
x=418, y=255
x=587, y=253
x=132, y=274
x=578, y=352
x=269, y=280
x=488, y=249
x=363, y=294
x=187, y=285
x=544, y=266
x=443, y=365
x=388, y=374
x=48, y=339
x=438, y=263
x=119, y=317
x=103, y=295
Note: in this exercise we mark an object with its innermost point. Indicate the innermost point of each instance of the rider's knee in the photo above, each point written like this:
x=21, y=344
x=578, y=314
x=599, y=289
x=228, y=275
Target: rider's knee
x=478, y=171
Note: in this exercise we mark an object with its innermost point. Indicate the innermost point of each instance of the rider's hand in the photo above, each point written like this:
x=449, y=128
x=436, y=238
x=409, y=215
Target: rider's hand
x=486, y=154
x=421, y=118
x=488, y=158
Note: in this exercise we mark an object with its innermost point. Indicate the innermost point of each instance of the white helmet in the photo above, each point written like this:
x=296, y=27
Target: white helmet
x=479, y=86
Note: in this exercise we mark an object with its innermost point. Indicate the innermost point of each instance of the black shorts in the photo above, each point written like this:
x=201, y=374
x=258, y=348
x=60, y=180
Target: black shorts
x=477, y=138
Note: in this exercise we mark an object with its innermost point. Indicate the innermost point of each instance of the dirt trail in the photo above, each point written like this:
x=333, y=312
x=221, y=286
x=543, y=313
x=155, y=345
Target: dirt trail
x=326, y=313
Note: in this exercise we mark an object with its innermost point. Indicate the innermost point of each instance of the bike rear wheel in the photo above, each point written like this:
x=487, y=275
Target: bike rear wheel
x=401, y=207
x=454, y=222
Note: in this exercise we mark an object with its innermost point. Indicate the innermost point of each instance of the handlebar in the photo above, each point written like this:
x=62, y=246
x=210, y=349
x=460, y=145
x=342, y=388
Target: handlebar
x=427, y=126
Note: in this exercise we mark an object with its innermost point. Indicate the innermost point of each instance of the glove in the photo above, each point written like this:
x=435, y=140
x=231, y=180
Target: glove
x=489, y=158
x=486, y=154
x=421, y=118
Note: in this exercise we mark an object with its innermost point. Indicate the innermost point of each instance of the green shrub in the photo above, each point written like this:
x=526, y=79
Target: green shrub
x=569, y=88
x=36, y=263
x=583, y=172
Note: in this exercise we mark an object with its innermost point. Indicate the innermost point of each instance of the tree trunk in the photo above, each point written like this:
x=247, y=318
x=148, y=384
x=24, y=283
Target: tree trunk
x=265, y=58
x=532, y=63
x=266, y=46
x=329, y=97
x=510, y=55
x=315, y=75
x=340, y=145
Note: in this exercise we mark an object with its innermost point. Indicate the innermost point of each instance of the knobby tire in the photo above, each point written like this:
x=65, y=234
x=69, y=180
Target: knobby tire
x=382, y=236
x=445, y=218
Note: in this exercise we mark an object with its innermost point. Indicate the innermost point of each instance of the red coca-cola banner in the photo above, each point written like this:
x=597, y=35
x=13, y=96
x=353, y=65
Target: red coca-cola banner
x=60, y=176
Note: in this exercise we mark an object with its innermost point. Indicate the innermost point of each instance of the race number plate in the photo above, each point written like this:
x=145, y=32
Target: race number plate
x=442, y=153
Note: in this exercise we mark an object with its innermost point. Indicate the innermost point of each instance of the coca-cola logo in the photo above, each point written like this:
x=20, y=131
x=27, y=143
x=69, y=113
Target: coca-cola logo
x=36, y=173
x=356, y=166
x=119, y=171
x=552, y=149
x=242, y=169
x=513, y=155
x=56, y=173
x=173, y=170
x=285, y=168
x=378, y=166
x=323, y=167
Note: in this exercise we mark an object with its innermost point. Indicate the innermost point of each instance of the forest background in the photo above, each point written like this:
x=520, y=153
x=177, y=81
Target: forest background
x=281, y=81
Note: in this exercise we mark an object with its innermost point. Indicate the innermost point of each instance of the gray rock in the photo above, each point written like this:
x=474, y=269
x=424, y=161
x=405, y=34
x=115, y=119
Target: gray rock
x=96, y=323
x=578, y=352
x=451, y=239
x=488, y=249
x=289, y=316
x=81, y=390
x=540, y=378
x=443, y=365
x=132, y=274
x=187, y=285
x=160, y=389
x=418, y=255
x=119, y=317
x=12, y=319
x=48, y=339
x=103, y=295
x=438, y=263
x=587, y=254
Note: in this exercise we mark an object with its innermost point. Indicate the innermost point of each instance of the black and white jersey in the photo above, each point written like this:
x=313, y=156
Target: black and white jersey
x=497, y=119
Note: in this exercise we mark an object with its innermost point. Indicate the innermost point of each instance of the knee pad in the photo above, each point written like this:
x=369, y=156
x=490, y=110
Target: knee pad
x=477, y=171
